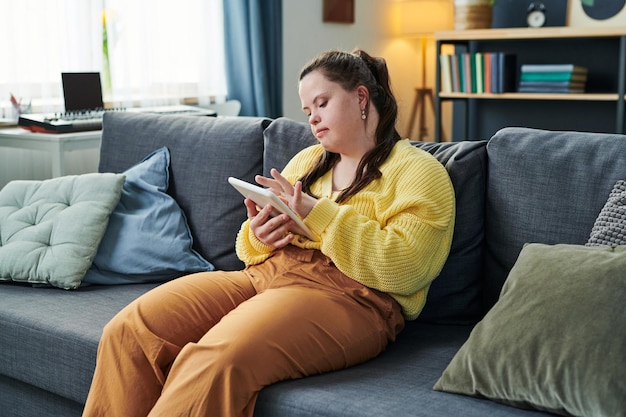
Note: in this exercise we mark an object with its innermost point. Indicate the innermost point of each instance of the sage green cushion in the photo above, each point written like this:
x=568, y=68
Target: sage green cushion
x=556, y=338
x=50, y=230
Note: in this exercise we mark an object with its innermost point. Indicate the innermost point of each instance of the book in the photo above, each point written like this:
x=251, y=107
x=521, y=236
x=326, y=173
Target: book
x=507, y=72
x=473, y=73
x=487, y=73
x=551, y=90
x=479, y=73
x=454, y=69
x=446, y=73
x=553, y=68
x=555, y=84
x=460, y=66
x=552, y=76
x=467, y=73
x=494, y=72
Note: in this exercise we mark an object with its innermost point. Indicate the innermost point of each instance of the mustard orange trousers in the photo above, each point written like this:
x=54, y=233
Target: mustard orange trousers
x=207, y=343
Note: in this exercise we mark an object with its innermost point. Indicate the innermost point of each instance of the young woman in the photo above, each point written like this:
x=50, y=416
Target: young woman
x=383, y=211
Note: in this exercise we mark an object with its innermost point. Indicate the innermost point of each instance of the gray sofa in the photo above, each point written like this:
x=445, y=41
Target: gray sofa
x=522, y=186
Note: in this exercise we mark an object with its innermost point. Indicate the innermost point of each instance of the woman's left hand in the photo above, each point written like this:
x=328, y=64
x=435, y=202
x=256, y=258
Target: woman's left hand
x=292, y=195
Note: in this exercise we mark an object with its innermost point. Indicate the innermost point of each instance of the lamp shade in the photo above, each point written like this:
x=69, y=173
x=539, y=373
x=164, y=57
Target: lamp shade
x=423, y=17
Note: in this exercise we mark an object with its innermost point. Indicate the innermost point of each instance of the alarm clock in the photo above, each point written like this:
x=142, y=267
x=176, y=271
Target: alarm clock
x=536, y=15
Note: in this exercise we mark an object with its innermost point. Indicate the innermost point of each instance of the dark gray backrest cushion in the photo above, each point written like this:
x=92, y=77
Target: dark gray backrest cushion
x=204, y=151
x=545, y=187
x=455, y=296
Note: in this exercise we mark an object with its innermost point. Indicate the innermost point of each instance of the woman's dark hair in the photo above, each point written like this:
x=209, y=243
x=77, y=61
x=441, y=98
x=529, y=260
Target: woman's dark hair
x=351, y=70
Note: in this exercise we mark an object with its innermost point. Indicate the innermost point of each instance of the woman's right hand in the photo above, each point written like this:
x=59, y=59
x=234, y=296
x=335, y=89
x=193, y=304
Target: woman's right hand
x=271, y=231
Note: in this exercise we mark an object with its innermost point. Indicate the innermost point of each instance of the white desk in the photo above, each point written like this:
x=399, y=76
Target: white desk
x=56, y=144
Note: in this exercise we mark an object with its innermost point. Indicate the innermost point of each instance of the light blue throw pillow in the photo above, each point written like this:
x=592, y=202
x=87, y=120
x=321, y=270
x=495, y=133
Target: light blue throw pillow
x=148, y=238
x=50, y=230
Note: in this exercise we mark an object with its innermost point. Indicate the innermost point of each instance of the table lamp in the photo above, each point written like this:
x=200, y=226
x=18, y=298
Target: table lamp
x=422, y=18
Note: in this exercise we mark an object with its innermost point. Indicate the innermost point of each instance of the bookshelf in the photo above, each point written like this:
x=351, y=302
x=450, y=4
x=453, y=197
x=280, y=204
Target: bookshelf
x=607, y=74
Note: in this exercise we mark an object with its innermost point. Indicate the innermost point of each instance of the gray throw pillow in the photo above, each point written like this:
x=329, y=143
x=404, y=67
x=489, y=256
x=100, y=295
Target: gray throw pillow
x=146, y=213
x=610, y=227
x=554, y=341
x=204, y=152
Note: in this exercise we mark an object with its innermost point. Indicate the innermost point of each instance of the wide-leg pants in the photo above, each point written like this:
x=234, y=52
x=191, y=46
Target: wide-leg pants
x=207, y=343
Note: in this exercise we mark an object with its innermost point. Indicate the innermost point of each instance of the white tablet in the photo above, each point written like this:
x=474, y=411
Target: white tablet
x=264, y=196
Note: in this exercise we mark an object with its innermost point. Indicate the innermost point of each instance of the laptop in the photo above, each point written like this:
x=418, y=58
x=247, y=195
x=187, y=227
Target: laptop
x=84, y=107
x=82, y=91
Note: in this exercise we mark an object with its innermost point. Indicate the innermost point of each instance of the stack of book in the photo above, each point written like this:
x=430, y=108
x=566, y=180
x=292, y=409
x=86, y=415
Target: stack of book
x=552, y=78
x=480, y=72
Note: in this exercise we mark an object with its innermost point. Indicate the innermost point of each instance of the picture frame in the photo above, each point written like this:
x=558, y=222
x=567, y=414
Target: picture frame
x=338, y=11
x=602, y=13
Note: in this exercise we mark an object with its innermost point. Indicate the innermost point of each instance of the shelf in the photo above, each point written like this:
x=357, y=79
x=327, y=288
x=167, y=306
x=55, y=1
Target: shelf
x=529, y=33
x=532, y=39
x=531, y=96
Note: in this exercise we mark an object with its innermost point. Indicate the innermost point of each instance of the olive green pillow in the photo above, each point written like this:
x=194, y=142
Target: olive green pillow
x=556, y=338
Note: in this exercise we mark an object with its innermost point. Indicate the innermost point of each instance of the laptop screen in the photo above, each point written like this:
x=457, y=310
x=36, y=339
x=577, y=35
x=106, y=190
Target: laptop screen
x=82, y=90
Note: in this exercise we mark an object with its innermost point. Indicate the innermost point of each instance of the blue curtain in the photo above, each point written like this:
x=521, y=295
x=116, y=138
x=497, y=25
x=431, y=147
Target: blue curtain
x=253, y=47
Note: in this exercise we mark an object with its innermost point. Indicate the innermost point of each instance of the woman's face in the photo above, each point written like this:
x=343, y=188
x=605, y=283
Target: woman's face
x=334, y=113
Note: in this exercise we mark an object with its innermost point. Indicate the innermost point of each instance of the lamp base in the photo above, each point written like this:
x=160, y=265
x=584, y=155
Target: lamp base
x=422, y=95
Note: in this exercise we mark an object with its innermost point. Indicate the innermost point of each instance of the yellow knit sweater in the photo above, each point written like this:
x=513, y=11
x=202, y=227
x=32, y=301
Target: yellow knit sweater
x=393, y=236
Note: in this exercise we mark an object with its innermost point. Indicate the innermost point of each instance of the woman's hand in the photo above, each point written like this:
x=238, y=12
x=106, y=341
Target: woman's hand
x=292, y=195
x=272, y=231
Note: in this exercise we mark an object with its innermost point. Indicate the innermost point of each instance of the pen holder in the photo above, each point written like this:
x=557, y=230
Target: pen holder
x=18, y=110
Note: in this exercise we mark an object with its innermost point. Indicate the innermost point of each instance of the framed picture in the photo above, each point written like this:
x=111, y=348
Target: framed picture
x=597, y=13
x=338, y=11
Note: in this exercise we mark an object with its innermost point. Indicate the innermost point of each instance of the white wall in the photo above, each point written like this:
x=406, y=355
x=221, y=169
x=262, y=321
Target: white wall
x=374, y=30
x=305, y=35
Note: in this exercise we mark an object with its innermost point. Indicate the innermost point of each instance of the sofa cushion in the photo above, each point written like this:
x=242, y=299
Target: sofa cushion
x=147, y=239
x=49, y=338
x=50, y=230
x=397, y=383
x=554, y=340
x=455, y=296
x=204, y=151
x=283, y=139
x=545, y=187
x=610, y=226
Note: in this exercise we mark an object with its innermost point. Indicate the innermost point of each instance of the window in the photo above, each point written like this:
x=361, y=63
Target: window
x=159, y=52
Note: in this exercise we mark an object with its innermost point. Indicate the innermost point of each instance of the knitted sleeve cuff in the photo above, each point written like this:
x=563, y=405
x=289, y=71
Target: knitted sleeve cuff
x=322, y=214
